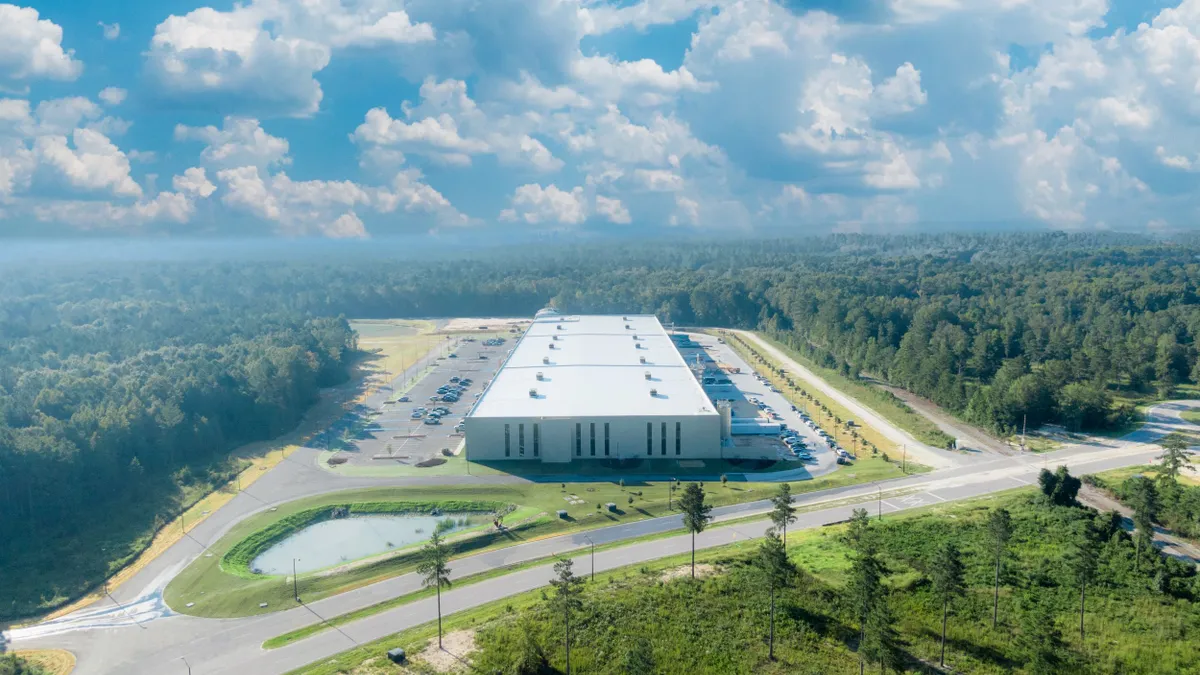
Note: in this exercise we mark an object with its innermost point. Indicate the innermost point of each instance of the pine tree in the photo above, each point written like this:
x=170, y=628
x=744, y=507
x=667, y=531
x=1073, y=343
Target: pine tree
x=946, y=570
x=567, y=591
x=777, y=572
x=696, y=515
x=999, y=532
x=434, y=571
x=783, y=512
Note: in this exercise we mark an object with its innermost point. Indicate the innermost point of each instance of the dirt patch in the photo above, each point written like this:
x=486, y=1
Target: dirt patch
x=454, y=655
x=702, y=570
x=432, y=461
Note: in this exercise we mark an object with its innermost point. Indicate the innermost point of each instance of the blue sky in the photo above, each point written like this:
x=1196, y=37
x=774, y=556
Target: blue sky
x=367, y=118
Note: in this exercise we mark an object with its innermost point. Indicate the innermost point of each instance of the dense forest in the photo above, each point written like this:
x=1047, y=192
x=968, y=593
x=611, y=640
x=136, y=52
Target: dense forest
x=118, y=380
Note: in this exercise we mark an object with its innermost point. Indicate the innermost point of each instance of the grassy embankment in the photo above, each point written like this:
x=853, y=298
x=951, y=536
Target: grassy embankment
x=718, y=624
x=43, y=661
x=371, y=610
x=886, y=404
x=120, y=547
x=218, y=592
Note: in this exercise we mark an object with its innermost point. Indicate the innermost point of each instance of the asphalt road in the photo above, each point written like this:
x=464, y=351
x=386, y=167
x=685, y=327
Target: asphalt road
x=159, y=645
x=920, y=452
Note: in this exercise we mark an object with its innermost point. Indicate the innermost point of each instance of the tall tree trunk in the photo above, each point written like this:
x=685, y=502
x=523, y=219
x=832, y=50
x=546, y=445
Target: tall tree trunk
x=945, y=611
x=1082, y=599
x=439, y=605
x=996, y=595
x=771, y=640
x=862, y=638
x=567, y=614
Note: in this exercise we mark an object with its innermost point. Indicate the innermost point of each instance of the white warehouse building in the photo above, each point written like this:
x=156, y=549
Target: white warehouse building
x=593, y=388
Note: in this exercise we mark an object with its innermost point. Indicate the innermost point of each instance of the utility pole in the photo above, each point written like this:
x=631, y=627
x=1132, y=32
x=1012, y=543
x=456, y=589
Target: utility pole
x=879, y=494
x=295, y=584
x=593, y=556
x=189, y=666
x=904, y=460
x=1024, y=418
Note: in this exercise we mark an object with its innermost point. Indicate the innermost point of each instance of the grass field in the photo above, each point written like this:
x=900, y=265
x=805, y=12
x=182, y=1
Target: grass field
x=219, y=593
x=51, y=661
x=884, y=403
x=1192, y=415
x=719, y=623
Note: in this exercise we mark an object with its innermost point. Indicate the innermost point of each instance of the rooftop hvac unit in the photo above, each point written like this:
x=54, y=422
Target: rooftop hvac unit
x=533, y=393
x=641, y=359
x=551, y=345
x=653, y=392
x=555, y=337
x=539, y=377
x=627, y=327
x=647, y=374
x=625, y=318
x=545, y=360
x=635, y=336
x=559, y=327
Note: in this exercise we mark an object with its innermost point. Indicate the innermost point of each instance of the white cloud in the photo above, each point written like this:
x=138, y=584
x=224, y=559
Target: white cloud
x=902, y=92
x=31, y=48
x=687, y=212
x=193, y=182
x=111, y=31
x=262, y=58
x=239, y=142
x=533, y=204
x=659, y=180
x=1173, y=161
x=112, y=95
x=330, y=208
x=643, y=80
x=229, y=59
x=601, y=18
x=449, y=128
x=612, y=209
x=94, y=163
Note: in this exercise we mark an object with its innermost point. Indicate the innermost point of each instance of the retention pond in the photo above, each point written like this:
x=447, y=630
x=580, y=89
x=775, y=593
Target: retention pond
x=341, y=540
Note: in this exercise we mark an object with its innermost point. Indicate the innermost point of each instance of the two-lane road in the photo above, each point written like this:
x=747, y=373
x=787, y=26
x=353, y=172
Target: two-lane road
x=234, y=645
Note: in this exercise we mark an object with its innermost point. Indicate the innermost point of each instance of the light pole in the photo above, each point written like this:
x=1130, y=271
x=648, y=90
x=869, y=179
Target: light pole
x=295, y=585
x=593, y=556
x=189, y=666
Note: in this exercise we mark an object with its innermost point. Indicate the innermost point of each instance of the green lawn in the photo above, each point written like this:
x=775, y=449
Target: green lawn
x=719, y=623
x=217, y=592
x=1191, y=415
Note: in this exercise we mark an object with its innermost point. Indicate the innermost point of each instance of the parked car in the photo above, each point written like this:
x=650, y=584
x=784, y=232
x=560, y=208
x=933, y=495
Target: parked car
x=432, y=420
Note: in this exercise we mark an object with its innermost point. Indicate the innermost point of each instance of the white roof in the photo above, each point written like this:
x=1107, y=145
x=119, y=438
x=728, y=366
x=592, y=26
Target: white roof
x=594, y=370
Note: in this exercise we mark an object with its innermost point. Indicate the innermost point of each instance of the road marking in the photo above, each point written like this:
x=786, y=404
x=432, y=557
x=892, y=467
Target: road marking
x=1021, y=480
x=891, y=505
x=935, y=496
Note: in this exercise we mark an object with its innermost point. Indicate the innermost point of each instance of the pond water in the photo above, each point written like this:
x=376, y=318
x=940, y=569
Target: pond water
x=341, y=540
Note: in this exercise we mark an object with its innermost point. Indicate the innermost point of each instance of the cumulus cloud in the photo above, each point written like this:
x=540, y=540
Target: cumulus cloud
x=330, y=208
x=613, y=210
x=241, y=141
x=448, y=127
x=111, y=31
x=31, y=48
x=112, y=95
x=534, y=204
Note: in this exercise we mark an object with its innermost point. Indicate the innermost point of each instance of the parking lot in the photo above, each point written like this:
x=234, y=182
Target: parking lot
x=394, y=435
x=743, y=387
